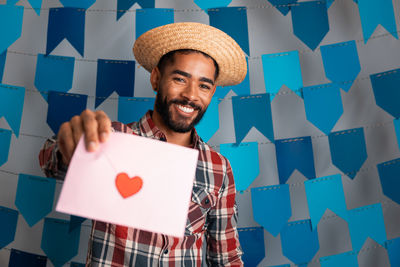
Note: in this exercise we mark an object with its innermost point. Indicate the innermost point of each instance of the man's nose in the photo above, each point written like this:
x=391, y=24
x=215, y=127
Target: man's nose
x=190, y=91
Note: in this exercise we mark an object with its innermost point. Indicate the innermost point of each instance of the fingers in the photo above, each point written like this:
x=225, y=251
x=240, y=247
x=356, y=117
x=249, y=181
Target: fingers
x=90, y=128
x=66, y=143
x=104, y=125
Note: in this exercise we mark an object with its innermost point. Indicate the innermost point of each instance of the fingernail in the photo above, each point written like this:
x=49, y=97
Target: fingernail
x=103, y=136
x=92, y=146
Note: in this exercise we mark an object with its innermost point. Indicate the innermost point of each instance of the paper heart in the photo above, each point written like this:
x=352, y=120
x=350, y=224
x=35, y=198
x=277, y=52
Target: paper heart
x=128, y=186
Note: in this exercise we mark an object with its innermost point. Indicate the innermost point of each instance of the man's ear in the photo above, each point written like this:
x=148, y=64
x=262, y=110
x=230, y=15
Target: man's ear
x=155, y=76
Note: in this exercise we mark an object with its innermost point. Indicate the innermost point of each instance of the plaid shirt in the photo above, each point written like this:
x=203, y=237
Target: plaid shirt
x=212, y=215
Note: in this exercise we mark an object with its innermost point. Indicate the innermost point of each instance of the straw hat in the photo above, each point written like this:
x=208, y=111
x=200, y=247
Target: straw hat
x=152, y=45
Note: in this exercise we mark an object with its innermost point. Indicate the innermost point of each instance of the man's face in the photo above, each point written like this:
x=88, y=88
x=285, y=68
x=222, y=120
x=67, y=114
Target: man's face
x=185, y=89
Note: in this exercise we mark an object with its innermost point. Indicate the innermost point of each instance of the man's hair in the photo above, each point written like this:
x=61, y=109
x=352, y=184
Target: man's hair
x=168, y=58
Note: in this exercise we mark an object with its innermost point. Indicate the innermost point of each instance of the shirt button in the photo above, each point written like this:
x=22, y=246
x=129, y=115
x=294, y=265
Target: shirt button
x=166, y=251
x=207, y=201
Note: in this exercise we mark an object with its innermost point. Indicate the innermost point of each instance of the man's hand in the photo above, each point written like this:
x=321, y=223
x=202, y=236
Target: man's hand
x=94, y=125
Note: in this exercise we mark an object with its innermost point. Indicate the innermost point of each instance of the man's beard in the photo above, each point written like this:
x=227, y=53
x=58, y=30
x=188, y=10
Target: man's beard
x=163, y=108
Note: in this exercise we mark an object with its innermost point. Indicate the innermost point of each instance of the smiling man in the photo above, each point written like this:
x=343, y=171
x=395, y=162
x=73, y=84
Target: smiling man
x=187, y=61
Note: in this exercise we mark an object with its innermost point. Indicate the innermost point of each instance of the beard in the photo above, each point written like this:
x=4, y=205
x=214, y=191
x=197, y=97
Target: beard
x=177, y=125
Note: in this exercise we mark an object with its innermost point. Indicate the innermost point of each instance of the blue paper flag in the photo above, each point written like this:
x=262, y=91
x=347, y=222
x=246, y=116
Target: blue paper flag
x=150, y=18
x=244, y=162
x=131, y=109
x=78, y=3
x=34, y=198
x=124, y=5
x=373, y=14
x=299, y=242
x=206, y=4
x=341, y=63
x=366, y=222
x=389, y=173
x=8, y=225
x=233, y=21
x=283, y=6
x=54, y=73
x=325, y=193
x=66, y=23
x=74, y=222
x=3, y=57
x=310, y=22
x=59, y=244
x=209, y=124
x=294, y=153
x=11, y=105
x=393, y=248
x=252, y=111
x=76, y=264
x=252, y=243
x=323, y=105
x=36, y=5
x=242, y=88
x=20, y=258
x=62, y=107
x=5, y=140
x=11, y=16
x=114, y=75
x=273, y=217
x=329, y=3
x=282, y=69
x=396, y=123
x=386, y=90
x=347, y=259
x=348, y=150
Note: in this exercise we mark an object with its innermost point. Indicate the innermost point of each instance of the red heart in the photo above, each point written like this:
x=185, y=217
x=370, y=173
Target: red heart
x=128, y=186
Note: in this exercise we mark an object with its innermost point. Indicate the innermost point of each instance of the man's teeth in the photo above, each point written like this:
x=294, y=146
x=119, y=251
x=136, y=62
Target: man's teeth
x=186, y=109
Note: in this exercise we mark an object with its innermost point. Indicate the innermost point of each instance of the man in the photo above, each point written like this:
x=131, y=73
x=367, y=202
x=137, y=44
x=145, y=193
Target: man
x=187, y=61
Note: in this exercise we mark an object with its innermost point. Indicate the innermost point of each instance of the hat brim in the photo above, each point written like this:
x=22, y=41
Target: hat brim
x=231, y=60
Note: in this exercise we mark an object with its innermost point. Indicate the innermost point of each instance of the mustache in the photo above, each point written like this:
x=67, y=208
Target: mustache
x=185, y=103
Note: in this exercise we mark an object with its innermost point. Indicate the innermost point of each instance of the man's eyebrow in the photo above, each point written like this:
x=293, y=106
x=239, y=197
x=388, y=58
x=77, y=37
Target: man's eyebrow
x=204, y=79
x=184, y=73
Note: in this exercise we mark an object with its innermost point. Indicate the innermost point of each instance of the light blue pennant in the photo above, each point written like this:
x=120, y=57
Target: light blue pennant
x=372, y=14
x=393, y=248
x=273, y=217
x=252, y=243
x=124, y=5
x=389, y=175
x=36, y=5
x=348, y=150
x=11, y=105
x=3, y=57
x=396, y=123
x=329, y=3
x=325, y=193
x=206, y=4
x=66, y=23
x=20, y=258
x=366, y=222
x=283, y=6
x=233, y=21
x=54, y=73
x=282, y=69
x=347, y=259
x=150, y=18
x=386, y=90
x=5, y=141
x=11, y=16
x=8, y=225
x=85, y=4
x=310, y=22
x=292, y=154
x=114, y=76
x=299, y=242
x=244, y=162
x=209, y=124
x=341, y=63
x=131, y=109
x=252, y=111
x=323, y=105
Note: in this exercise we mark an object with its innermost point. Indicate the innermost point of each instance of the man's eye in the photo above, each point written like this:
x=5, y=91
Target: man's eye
x=178, y=79
x=205, y=86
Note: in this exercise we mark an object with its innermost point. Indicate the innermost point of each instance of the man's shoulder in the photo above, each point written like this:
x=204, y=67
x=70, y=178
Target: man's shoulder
x=131, y=128
x=213, y=156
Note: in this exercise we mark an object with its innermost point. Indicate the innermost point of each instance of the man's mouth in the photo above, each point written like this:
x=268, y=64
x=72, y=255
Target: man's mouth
x=185, y=109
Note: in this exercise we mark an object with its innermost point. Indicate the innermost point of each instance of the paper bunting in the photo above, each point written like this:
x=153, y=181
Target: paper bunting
x=323, y=105
x=348, y=150
x=150, y=18
x=11, y=16
x=54, y=73
x=373, y=14
x=329, y=3
x=3, y=57
x=8, y=225
x=396, y=124
x=131, y=109
x=75, y=221
x=283, y=5
x=233, y=21
x=299, y=242
x=20, y=258
x=274, y=216
x=294, y=153
x=325, y=193
x=282, y=69
x=11, y=105
x=389, y=173
x=244, y=162
x=252, y=243
x=386, y=90
x=393, y=248
x=341, y=63
x=206, y=4
x=5, y=140
x=34, y=198
x=58, y=243
x=36, y=5
x=348, y=259
x=124, y=5
x=114, y=75
x=62, y=107
x=75, y=264
x=252, y=111
x=85, y=4
x=209, y=124
x=66, y=23
x=310, y=22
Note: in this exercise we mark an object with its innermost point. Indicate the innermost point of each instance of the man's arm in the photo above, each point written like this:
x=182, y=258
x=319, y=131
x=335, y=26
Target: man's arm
x=223, y=248
x=50, y=160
